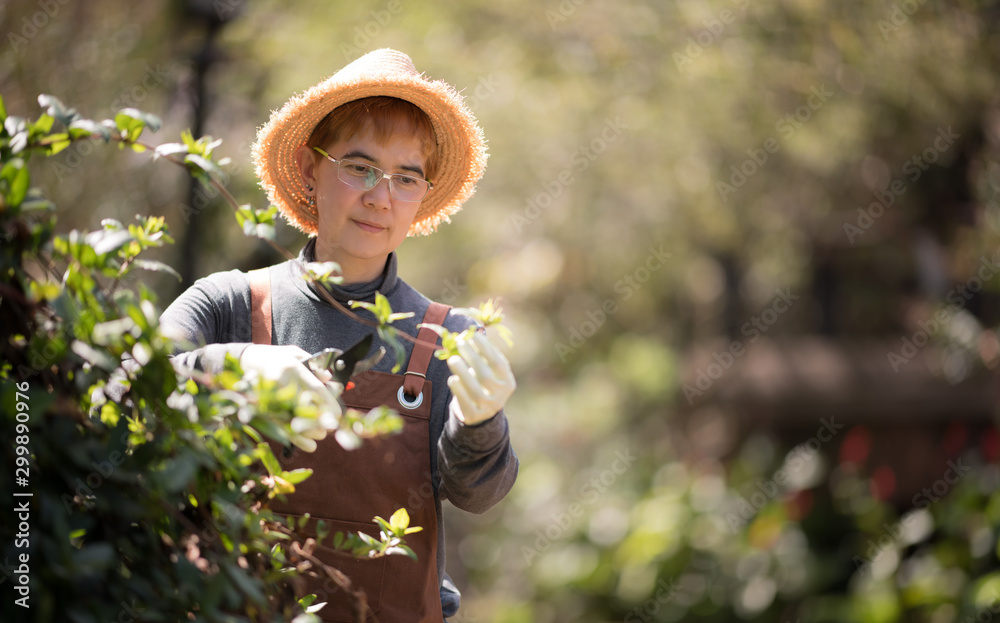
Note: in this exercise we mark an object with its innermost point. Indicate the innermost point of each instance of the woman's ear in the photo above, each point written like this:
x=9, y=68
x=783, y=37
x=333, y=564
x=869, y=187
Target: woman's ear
x=306, y=159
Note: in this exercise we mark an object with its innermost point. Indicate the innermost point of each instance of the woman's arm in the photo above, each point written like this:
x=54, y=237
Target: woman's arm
x=210, y=320
x=477, y=464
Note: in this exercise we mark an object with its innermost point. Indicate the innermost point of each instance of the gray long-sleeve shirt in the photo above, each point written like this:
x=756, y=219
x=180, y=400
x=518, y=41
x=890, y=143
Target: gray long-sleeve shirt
x=472, y=466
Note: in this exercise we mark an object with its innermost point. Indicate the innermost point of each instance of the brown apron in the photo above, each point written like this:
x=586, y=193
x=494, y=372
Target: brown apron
x=349, y=488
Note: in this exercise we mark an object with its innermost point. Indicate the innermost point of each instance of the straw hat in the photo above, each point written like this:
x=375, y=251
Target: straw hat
x=461, y=147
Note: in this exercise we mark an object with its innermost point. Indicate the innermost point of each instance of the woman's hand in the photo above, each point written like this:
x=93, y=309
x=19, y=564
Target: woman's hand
x=284, y=364
x=481, y=380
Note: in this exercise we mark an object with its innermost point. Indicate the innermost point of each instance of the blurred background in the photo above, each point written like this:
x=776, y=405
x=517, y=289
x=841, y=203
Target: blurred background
x=748, y=251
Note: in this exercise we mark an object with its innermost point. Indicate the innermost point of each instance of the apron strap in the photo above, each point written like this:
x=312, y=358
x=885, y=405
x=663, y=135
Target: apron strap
x=420, y=358
x=260, y=305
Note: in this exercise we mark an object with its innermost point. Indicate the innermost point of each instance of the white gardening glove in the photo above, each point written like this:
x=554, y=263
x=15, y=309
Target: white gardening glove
x=284, y=364
x=481, y=380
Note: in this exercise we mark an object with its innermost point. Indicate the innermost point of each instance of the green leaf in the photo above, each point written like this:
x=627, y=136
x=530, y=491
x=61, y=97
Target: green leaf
x=381, y=309
x=156, y=266
x=267, y=457
x=104, y=332
x=85, y=128
x=3, y=109
x=13, y=125
x=324, y=272
x=95, y=357
x=35, y=201
x=389, y=336
x=400, y=520
x=247, y=585
x=506, y=335
x=384, y=525
x=245, y=214
x=44, y=290
x=57, y=143
x=264, y=231
x=169, y=149
x=347, y=439
x=488, y=313
x=297, y=475
x=178, y=473
x=250, y=229
x=128, y=124
x=54, y=107
x=14, y=182
x=43, y=125
x=105, y=241
x=146, y=119
x=404, y=549
x=203, y=164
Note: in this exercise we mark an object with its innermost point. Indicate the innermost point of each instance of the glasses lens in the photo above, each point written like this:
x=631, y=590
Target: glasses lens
x=406, y=188
x=358, y=174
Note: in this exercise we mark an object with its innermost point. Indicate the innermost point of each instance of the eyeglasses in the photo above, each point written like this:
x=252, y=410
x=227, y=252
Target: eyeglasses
x=366, y=177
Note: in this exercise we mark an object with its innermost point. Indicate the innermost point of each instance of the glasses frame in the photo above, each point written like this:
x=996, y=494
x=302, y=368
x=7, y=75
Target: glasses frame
x=381, y=175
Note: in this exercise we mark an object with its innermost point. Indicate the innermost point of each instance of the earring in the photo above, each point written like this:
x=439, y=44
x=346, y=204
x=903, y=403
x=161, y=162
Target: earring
x=312, y=198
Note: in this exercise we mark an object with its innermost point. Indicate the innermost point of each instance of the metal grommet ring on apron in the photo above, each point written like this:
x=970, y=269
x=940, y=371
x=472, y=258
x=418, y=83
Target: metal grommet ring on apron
x=401, y=396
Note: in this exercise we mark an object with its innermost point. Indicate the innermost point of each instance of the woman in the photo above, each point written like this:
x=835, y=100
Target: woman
x=360, y=161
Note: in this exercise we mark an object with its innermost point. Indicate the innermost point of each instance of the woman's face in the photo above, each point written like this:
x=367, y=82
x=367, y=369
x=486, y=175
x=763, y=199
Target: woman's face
x=360, y=228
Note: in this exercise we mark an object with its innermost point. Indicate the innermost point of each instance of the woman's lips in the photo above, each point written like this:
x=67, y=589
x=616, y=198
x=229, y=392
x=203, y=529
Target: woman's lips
x=369, y=227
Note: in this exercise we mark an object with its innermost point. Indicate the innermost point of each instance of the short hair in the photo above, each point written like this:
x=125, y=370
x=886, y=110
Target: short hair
x=387, y=116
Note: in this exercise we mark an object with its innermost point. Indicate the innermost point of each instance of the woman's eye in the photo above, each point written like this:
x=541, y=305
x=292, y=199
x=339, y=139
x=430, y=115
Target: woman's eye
x=404, y=180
